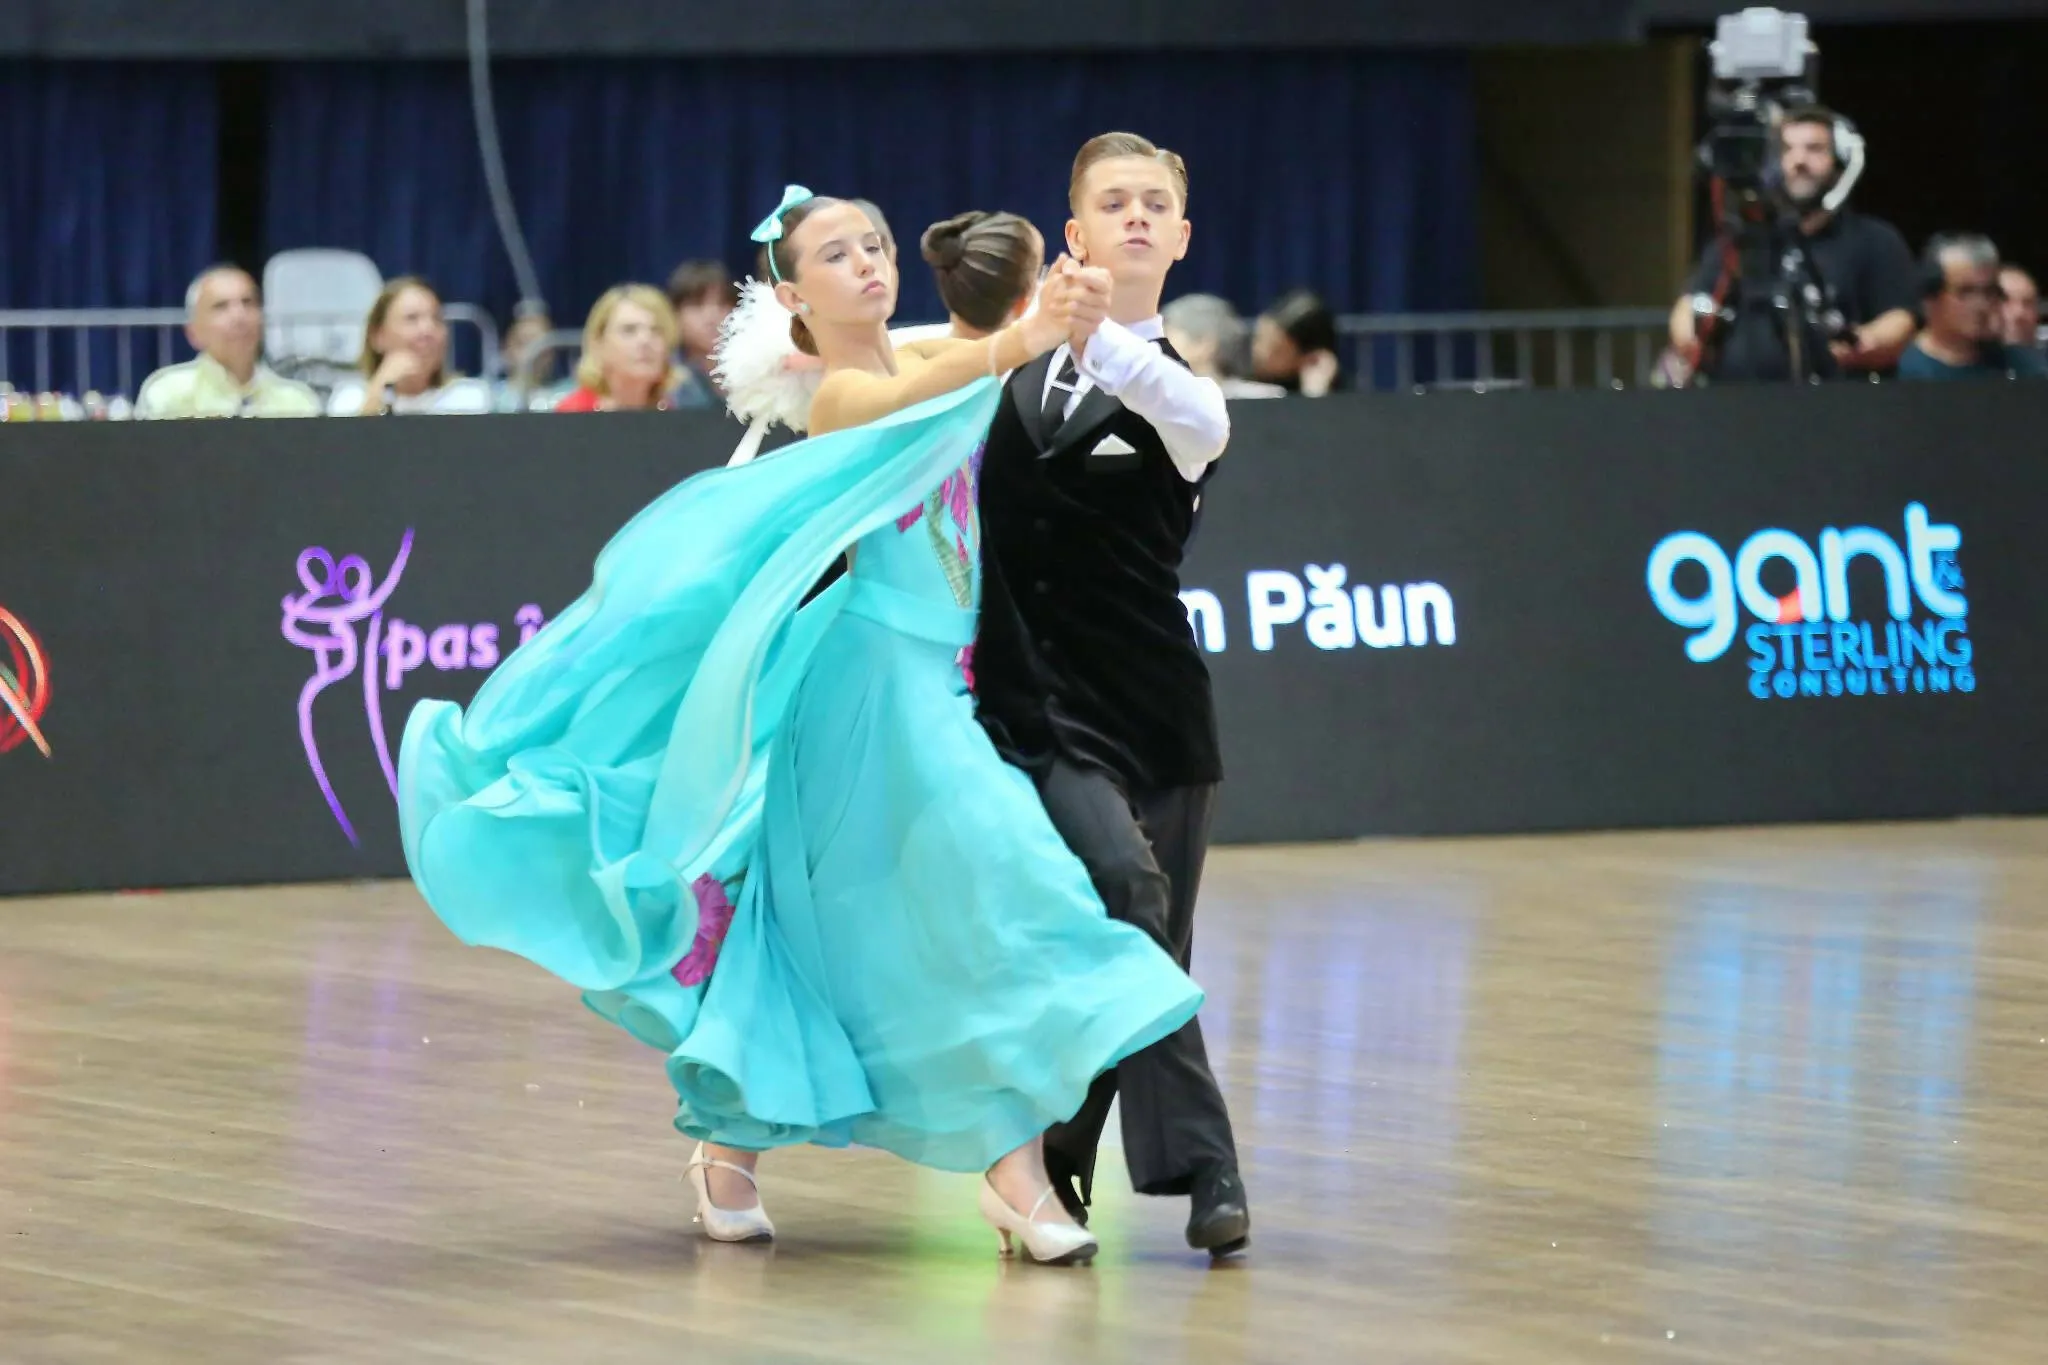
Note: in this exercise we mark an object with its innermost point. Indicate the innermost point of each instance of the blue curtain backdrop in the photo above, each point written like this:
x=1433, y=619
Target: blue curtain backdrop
x=108, y=181
x=1349, y=173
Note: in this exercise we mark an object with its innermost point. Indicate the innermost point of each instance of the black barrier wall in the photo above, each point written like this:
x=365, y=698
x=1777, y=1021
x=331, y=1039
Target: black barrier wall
x=1425, y=616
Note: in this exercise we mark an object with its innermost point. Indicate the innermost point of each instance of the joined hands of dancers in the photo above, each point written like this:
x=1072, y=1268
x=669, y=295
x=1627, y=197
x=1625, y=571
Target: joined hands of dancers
x=1073, y=300
x=1071, y=296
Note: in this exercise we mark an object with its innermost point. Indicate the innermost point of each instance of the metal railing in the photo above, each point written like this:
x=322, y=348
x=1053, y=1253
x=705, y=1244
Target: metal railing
x=1408, y=352
x=1558, y=349
x=561, y=349
x=41, y=350
x=112, y=350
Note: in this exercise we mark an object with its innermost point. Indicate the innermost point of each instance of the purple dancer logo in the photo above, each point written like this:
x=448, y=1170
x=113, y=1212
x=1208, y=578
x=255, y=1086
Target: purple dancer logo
x=340, y=595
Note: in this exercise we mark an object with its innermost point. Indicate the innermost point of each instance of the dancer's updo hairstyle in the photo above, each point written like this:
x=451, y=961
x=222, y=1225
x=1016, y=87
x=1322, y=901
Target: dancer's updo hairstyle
x=984, y=262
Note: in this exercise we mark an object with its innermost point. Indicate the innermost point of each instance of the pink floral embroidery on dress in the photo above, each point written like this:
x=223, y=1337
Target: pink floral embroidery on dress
x=714, y=918
x=956, y=495
x=952, y=500
x=959, y=494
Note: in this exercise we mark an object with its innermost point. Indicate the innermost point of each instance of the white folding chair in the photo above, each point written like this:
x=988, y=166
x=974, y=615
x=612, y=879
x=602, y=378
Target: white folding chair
x=315, y=301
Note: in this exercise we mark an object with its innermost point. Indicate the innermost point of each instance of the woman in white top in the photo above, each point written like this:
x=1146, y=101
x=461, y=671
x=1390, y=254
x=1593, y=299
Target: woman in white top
x=405, y=360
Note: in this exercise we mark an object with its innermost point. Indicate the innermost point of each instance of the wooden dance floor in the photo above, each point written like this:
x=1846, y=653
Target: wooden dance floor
x=1727, y=1096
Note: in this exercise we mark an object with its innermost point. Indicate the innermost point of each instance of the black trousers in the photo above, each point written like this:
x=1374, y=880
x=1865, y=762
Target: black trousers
x=1144, y=852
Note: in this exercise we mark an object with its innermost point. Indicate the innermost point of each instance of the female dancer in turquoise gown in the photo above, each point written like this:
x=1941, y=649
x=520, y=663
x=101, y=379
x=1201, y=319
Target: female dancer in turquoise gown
x=765, y=834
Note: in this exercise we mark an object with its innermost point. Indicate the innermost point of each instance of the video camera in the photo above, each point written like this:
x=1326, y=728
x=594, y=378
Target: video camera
x=1764, y=68
x=1760, y=71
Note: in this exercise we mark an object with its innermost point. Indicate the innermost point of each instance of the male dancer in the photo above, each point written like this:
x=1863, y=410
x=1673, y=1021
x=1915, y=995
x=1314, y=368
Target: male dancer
x=1086, y=669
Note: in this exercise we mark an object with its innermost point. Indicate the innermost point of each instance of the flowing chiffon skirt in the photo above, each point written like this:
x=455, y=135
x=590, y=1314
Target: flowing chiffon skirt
x=768, y=837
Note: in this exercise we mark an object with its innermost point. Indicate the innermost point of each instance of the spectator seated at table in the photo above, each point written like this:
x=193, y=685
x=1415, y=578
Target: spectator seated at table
x=703, y=294
x=405, y=360
x=224, y=323
x=629, y=347
x=1214, y=342
x=2021, y=314
x=1964, y=337
x=1294, y=345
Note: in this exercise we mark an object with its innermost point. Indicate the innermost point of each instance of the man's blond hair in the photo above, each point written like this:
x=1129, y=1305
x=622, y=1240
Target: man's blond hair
x=1115, y=146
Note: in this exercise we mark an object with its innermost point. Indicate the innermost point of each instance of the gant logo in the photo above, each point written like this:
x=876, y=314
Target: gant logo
x=24, y=685
x=1810, y=637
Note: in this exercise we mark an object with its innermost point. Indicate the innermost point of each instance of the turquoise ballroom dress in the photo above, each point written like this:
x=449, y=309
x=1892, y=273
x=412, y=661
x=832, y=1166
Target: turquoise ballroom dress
x=767, y=835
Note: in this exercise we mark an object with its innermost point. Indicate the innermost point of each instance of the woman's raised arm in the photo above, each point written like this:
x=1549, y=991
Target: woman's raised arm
x=849, y=398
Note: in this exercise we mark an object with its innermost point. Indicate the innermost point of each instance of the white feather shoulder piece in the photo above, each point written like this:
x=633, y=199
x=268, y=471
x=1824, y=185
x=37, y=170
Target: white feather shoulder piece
x=766, y=379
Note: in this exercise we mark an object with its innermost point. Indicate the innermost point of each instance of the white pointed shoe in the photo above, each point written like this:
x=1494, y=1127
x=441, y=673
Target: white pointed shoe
x=1045, y=1243
x=727, y=1225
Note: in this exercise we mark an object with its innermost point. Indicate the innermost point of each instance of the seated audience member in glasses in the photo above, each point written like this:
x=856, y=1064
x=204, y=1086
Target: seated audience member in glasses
x=2021, y=315
x=1865, y=264
x=1214, y=342
x=224, y=323
x=703, y=295
x=405, y=360
x=1965, y=335
x=629, y=346
x=1294, y=345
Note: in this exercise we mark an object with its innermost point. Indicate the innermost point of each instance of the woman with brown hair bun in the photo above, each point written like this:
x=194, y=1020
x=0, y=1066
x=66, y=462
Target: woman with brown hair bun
x=987, y=265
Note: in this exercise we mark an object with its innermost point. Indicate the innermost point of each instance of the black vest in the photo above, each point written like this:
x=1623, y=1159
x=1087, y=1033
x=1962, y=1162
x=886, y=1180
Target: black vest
x=1085, y=651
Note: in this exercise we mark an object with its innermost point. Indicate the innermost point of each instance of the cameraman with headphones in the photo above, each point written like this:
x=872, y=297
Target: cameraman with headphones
x=1961, y=283
x=1864, y=262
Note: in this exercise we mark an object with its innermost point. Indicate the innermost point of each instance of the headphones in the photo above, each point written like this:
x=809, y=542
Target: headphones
x=1846, y=142
x=1847, y=146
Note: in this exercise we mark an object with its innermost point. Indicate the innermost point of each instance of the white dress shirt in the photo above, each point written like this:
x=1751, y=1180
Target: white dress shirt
x=1186, y=410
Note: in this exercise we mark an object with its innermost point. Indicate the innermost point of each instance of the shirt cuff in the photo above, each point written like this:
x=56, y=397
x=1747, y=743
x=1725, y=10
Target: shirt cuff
x=1113, y=355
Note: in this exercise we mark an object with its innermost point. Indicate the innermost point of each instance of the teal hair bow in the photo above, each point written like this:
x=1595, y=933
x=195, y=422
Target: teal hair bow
x=770, y=230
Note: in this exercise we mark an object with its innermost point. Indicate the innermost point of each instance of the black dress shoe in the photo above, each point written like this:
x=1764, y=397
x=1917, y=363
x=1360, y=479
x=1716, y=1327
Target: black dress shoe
x=1219, y=1221
x=1066, y=1183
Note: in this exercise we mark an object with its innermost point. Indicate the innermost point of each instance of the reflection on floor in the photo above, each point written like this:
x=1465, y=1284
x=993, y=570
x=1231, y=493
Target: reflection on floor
x=1739, y=1095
